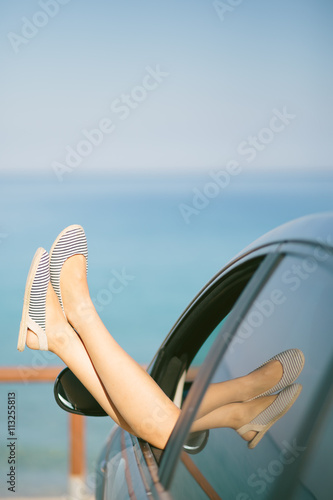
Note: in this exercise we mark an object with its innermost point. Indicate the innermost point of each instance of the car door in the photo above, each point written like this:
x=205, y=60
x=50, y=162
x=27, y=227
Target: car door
x=285, y=303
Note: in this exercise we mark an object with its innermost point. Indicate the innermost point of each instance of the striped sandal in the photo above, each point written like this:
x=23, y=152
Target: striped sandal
x=33, y=315
x=264, y=421
x=292, y=362
x=71, y=241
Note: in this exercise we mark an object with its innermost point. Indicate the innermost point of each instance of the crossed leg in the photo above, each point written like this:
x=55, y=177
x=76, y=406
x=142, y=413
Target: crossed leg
x=65, y=343
x=125, y=391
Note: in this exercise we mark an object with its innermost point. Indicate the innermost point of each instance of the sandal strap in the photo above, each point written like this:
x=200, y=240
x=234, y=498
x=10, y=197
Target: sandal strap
x=249, y=427
x=38, y=330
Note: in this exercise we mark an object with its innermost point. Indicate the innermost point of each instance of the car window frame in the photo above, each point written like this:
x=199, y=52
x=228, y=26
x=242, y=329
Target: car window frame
x=260, y=251
x=303, y=249
x=182, y=332
x=174, y=446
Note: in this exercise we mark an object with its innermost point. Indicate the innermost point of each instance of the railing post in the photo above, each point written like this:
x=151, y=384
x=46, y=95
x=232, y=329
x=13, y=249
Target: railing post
x=77, y=458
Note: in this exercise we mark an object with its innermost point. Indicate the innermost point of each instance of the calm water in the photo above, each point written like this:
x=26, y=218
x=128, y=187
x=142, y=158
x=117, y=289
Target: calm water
x=136, y=229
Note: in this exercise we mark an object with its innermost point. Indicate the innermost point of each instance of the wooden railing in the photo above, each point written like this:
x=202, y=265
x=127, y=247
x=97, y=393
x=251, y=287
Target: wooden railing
x=77, y=459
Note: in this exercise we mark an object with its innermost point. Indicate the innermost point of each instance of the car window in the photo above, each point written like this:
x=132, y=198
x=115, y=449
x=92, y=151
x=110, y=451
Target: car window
x=205, y=348
x=198, y=326
x=174, y=369
x=293, y=310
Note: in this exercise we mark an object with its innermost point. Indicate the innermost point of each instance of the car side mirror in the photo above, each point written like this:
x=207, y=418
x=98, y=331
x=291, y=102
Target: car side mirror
x=72, y=396
x=195, y=442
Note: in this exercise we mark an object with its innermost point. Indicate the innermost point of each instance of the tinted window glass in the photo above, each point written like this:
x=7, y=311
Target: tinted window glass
x=293, y=310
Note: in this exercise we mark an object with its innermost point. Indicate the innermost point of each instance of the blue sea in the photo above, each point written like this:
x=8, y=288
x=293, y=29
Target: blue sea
x=162, y=237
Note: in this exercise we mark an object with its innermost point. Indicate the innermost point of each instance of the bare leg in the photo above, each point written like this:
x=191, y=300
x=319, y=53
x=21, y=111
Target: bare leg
x=65, y=343
x=241, y=389
x=233, y=415
x=137, y=397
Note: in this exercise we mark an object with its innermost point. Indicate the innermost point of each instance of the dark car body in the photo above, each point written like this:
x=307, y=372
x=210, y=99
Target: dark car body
x=275, y=295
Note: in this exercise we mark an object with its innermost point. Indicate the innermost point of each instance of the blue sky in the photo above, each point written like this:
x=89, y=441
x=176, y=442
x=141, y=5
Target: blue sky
x=224, y=79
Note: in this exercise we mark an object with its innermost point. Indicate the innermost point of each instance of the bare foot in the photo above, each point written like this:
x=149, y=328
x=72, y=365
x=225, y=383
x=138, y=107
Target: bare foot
x=262, y=379
x=58, y=331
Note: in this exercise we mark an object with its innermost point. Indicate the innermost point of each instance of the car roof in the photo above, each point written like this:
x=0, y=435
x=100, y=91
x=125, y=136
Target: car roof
x=315, y=228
